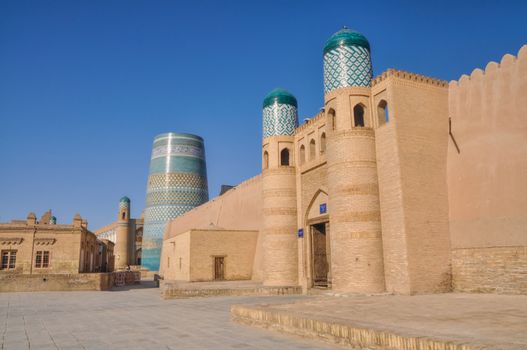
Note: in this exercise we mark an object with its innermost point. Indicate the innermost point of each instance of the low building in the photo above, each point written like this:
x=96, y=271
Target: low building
x=44, y=255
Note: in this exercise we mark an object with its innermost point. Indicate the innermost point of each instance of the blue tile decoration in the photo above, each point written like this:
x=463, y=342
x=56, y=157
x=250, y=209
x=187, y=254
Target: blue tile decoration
x=280, y=115
x=347, y=61
x=177, y=183
x=124, y=203
x=323, y=208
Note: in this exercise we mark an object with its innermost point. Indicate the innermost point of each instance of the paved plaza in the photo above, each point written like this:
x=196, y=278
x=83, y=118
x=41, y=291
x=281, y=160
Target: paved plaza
x=133, y=318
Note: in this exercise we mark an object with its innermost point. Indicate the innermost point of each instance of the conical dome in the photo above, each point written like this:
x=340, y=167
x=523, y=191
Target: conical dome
x=279, y=113
x=347, y=61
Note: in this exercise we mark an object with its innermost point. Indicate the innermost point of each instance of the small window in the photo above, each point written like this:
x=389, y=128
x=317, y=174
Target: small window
x=123, y=216
x=312, y=149
x=382, y=112
x=8, y=259
x=358, y=116
x=42, y=259
x=302, y=154
x=284, y=157
x=332, y=119
x=323, y=143
x=265, y=160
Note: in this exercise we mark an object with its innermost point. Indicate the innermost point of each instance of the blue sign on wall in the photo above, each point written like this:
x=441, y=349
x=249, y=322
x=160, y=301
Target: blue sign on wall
x=323, y=208
x=300, y=233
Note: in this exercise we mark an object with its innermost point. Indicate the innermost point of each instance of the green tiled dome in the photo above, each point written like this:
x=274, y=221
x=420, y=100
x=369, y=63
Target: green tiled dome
x=280, y=96
x=346, y=37
x=124, y=200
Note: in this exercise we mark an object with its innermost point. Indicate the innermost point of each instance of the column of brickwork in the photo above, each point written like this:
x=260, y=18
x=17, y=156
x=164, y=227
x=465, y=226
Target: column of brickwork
x=279, y=189
x=356, y=241
x=279, y=226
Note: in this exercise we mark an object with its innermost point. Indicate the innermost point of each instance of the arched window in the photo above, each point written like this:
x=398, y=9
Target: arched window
x=302, y=154
x=358, y=116
x=284, y=157
x=382, y=112
x=265, y=160
x=312, y=149
x=123, y=216
x=332, y=118
x=323, y=143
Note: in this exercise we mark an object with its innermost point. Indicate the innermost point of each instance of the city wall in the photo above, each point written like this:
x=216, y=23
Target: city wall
x=487, y=178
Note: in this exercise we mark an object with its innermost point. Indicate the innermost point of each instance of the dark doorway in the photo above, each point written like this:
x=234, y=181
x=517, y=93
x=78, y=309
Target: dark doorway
x=219, y=268
x=320, y=258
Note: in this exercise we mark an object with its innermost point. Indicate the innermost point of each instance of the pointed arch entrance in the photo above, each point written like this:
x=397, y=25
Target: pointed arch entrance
x=318, y=245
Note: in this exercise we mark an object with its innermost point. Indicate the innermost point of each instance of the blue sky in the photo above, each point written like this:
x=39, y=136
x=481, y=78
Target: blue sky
x=86, y=85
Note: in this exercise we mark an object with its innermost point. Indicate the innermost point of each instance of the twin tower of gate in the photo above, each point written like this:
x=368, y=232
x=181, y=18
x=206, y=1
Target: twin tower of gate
x=356, y=243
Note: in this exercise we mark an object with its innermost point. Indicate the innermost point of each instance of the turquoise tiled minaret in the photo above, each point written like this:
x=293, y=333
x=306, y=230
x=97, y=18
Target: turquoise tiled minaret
x=176, y=184
x=279, y=113
x=347, y=61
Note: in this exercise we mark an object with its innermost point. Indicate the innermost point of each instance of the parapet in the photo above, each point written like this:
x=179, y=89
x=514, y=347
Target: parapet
x=408, y=76
x=310, y=122
x=507, y=61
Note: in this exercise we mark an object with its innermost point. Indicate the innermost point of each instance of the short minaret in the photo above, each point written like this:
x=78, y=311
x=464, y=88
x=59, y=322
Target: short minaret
x=122, y=241
x=279, y=189
x=356, y=242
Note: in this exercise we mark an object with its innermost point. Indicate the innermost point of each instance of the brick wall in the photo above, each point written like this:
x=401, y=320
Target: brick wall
x=490, y=270
x=55, y=282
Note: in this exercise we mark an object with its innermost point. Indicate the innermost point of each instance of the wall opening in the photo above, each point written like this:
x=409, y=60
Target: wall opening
x=319, y=255
x=382, y=112
x=312, y=149
x=358, y=116
x=332, y=117
x=284, y=157
x=323, y=143
x=265, y=160
x=302, y=154
x=123, y=216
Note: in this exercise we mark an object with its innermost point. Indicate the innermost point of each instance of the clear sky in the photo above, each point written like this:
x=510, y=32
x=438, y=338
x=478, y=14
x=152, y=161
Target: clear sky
x=86, y=85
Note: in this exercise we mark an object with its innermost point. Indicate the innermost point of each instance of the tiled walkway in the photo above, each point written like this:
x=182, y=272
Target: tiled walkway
x=133, y=319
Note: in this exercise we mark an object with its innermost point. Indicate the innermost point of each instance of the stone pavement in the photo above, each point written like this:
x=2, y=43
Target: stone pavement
x=132, y=318
x=439, y=321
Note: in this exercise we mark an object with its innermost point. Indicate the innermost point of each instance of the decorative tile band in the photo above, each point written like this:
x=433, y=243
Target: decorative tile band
x=347, y=66
x=279, y=119
x=177, y=184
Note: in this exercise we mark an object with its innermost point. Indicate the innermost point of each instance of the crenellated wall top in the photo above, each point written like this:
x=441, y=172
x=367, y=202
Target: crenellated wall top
x=409, y=76
x=507, y=60
x=309, y=123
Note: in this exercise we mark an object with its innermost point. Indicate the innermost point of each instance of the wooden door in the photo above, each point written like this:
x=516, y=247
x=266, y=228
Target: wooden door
x=219, y=268
x=320, y=259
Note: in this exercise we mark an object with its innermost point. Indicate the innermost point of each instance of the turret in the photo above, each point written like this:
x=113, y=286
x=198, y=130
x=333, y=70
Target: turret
x=356, y=242
x=279, y=189
x=347, y=61
x=122, y=240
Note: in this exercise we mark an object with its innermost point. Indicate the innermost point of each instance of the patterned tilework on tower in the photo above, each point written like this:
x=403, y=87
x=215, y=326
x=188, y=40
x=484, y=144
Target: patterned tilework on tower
x=279, y=113
x=176, y=184
x=347, y=61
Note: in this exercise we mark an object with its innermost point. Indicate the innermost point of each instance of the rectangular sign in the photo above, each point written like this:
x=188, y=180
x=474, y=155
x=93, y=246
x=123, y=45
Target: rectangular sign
x=300, y=233
x=323, y=208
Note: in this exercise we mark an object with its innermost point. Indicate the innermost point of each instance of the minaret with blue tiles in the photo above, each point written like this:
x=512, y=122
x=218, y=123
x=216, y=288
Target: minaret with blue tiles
x=357, y=263
x=280, y=119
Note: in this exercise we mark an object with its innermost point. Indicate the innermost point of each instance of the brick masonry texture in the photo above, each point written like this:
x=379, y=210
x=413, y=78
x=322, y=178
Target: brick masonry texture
x=490, y=270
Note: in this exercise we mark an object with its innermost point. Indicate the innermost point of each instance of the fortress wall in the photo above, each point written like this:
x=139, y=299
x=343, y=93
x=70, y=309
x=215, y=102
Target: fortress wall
x=238, y=209
x=412, y=169
x=487, y=180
